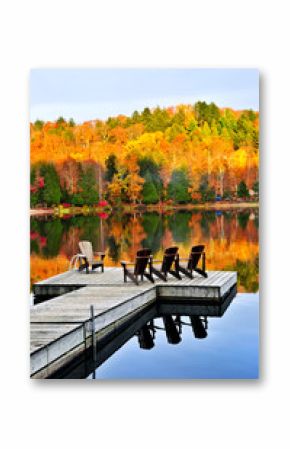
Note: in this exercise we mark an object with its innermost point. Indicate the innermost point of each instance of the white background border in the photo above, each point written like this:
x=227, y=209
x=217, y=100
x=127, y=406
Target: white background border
x=220, y=414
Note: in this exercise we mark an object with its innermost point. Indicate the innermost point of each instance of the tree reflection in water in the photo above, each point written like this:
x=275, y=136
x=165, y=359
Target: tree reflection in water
x=230, y=238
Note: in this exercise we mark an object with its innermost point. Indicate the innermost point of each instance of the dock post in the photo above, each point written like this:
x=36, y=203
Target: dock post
x=94, y=343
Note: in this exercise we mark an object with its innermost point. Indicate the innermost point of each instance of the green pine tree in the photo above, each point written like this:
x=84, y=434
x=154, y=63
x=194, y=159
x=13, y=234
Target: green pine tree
x=178, y=187
x=111, y=167
x=256, y=187
x=38, y=124
x=88, y=193
x=34, y=195
x=149, y=168
x=149, y=192
x=243, y=191
x=50, y=194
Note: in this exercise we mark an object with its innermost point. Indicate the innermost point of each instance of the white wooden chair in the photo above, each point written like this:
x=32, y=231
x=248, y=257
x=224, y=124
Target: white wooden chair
x=88, y=257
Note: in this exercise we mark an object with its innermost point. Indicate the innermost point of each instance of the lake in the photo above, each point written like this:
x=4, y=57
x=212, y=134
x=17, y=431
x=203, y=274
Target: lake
x=179, y=341
x=175, y=340
x=231, y=238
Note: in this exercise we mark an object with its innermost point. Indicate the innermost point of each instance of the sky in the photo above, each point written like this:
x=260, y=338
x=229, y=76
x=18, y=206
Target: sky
x=87, y=94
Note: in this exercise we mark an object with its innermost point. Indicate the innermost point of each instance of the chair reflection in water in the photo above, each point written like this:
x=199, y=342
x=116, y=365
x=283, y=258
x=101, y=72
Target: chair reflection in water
x=173, y=330
x=198, y=324
x=146, y=336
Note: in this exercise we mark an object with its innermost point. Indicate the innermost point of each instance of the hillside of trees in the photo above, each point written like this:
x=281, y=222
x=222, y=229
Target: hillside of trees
x=183, y=154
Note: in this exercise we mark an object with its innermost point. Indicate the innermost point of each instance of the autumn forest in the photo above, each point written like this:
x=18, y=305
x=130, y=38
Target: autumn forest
x=178, y=155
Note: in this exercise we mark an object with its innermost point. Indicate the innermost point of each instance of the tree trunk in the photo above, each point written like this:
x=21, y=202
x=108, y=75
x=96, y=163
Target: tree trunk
x=100, y=183
x=221, y=183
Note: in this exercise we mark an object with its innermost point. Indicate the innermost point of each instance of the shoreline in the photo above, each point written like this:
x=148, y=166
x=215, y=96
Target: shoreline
x=154, y=208
x=34, y=212
x=200, y=206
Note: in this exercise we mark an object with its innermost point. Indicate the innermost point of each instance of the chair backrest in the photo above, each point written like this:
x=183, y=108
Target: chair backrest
x=142, y=259
x=87, y=249
x=168, y=258
x=195, y=255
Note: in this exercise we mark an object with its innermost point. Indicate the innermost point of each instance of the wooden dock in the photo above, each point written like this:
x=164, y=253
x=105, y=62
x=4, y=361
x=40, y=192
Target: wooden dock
x=61, y=328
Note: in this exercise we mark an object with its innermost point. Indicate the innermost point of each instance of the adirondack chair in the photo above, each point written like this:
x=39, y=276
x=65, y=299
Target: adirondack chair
x=197, y=253
x=167, y=262
x=140, y=265
x=88, y=258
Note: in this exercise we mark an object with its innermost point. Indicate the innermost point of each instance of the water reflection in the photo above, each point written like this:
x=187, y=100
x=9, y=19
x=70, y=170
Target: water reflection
x=230, y=237
x=173, y=330
x=146, y=336
x=168, y=317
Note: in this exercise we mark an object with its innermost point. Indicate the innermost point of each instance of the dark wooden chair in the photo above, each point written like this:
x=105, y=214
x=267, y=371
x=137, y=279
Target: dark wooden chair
x=140, y=265
x=167, y=264
x=87, y=257
x=197, y=253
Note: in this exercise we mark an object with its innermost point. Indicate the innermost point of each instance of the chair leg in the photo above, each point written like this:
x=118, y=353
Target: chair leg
x=175, y=274
x=82, y=267
x=158, y=274
x=203, y=273
x=149, y=276
x=203, y=262
x=187, y=273
x=132, y=277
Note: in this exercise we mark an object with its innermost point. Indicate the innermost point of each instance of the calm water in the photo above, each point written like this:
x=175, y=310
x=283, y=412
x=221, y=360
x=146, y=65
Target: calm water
x=182, y=342
x=174, y=341
x=231, y=239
